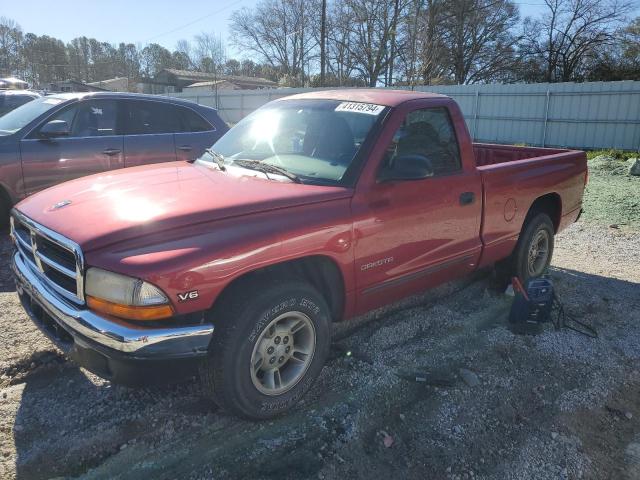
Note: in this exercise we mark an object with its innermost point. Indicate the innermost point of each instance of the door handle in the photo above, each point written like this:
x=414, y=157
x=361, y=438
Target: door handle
x=467, y=198
x=111, y=151
x=185, y=148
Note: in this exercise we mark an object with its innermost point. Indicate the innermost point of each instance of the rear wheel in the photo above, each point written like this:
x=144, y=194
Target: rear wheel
x=534, y=250
x=268, y=348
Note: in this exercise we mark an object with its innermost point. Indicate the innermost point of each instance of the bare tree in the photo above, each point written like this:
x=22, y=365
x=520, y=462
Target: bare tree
x=283, y=33
x=340, y=60
x=323, y=42
x=45, y=59
x=11, y=39
x=371, y=30
x=393, y=40
x=429, y=55
x=185, y=48
x=569, y=33
x=128, y=61
x=210, y=52
x=478, y=37
x=154, y=58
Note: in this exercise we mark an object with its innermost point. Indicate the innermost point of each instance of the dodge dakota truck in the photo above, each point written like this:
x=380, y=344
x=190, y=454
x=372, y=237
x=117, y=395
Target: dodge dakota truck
x=314, y=209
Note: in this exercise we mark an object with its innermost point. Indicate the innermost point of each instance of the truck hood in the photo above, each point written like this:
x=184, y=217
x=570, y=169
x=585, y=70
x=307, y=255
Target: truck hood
x=103, y=209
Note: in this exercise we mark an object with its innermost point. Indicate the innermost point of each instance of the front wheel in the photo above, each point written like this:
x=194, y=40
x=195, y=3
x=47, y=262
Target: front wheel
x=5, y=208
x=268, y=348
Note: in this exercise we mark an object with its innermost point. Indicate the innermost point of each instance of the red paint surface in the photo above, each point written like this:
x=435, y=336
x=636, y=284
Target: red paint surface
x=187, y=226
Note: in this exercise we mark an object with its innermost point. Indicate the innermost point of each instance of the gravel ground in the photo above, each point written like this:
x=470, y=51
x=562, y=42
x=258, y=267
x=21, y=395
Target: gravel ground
x=436, y=386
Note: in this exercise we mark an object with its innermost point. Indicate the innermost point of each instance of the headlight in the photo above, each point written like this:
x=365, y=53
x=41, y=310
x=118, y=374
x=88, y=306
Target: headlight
x=125, y=297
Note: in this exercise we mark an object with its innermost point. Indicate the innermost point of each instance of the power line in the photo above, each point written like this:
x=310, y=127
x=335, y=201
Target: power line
x=199, y=19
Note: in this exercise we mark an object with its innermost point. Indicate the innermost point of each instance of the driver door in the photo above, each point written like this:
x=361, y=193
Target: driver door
x=92, y=146
x=415, y=233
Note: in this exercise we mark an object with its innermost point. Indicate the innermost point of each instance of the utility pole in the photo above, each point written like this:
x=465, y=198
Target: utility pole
x=302, y=41
x=323, y=42
x=394, y=24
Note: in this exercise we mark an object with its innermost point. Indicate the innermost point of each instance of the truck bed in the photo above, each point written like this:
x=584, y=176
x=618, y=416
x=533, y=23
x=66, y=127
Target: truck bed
x=513, y=178
x=491, y=154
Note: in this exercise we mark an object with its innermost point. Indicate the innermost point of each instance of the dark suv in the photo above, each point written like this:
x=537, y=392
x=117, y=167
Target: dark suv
x=60, y=137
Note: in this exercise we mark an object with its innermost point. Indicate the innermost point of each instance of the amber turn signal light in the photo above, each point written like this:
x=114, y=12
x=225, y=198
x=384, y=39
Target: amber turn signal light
x=130, y=312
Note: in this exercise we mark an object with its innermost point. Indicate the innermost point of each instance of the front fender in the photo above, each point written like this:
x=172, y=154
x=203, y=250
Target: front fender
x=208, y=257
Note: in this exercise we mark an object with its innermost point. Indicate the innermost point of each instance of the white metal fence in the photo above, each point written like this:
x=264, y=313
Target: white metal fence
x=581, y=115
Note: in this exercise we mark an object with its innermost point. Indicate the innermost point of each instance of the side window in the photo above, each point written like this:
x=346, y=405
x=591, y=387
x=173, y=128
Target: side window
x=428, y=133
x=91, y=118
x=193, y=122
x=147, y=117
x=66, y=114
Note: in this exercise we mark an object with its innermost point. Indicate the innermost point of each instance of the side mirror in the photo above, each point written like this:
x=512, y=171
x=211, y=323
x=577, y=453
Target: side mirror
x=407, y=167
x=55, y=128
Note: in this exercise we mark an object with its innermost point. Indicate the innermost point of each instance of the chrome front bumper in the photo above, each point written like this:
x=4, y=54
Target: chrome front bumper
x=86, y=327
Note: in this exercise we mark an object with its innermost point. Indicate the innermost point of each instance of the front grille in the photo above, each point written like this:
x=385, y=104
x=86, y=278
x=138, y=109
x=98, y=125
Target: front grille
x=57, y=259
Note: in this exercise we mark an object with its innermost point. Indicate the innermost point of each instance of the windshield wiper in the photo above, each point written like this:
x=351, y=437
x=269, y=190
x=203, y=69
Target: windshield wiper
x=268, y=168
x=217, y=157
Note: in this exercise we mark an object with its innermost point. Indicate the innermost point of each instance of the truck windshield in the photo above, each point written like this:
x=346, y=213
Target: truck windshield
x=315, y=140
x=21, y=116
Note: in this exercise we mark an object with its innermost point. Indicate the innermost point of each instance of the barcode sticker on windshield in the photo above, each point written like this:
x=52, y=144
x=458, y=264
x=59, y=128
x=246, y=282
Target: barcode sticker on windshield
x=368, y=108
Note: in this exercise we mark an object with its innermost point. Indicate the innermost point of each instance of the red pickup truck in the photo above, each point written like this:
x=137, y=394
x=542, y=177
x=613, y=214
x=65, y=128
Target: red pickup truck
x=314, y=209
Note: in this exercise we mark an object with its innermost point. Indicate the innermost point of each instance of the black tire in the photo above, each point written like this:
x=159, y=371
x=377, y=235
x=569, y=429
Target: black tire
x=537, y=224
x=5, y=208
x=240, y=321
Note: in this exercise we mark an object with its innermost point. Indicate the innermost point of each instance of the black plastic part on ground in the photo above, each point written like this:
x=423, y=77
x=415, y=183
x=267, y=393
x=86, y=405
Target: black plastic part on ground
x=537, y=304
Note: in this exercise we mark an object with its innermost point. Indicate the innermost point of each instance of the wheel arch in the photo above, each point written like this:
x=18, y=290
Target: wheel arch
x=551, y=204
x=321, y=271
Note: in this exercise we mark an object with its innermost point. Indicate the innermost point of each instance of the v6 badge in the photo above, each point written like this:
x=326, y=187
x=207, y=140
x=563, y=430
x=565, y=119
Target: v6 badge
x=192, y=295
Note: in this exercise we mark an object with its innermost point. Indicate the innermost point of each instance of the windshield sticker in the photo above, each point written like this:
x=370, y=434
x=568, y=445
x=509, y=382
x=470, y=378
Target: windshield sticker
x=96, y=111
x=368, y=108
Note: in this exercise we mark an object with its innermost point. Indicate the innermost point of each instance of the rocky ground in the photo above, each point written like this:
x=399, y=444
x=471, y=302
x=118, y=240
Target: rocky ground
x=435, y=387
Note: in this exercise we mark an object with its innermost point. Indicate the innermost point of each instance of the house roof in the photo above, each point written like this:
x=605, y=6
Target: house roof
x=195, y=76
x=107, y=81
x=206, y=84
x=79, y=84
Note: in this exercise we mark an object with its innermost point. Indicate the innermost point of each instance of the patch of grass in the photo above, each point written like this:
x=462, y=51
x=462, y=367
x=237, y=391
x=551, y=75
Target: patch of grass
x=617, y=154
x=612, y=196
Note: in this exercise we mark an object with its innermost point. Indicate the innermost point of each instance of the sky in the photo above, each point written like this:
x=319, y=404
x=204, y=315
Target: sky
x=131, y=21
x=141, y=21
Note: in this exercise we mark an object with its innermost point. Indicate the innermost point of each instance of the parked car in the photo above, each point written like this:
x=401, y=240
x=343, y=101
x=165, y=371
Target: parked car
x=61, y=137
x=314, y=209
x=12, y=83
x=12, y=99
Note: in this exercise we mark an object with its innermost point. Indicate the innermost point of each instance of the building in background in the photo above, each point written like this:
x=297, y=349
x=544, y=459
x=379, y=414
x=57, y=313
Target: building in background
x=171, y=80
x=72, y=86
x=118, y=84
x=230, y=83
